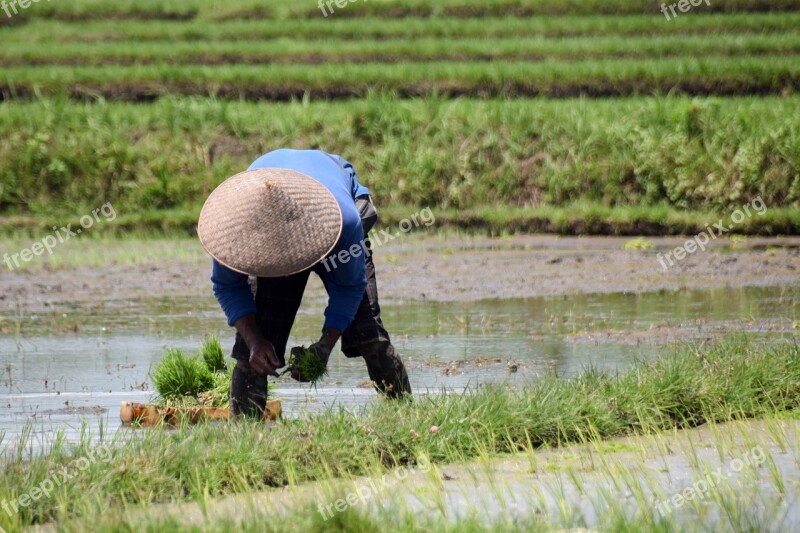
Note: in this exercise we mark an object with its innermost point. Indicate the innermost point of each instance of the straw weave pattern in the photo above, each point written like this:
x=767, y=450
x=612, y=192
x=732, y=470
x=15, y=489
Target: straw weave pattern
x=270, y=222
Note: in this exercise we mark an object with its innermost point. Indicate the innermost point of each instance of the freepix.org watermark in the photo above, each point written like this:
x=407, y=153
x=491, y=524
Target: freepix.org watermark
x=371, y=489
x=699, y=490
x=10, y=6
x=341, y=4
x=423, y=218
x=699, y=241
x=60, y=236
x=683, y=6
x=43, y=489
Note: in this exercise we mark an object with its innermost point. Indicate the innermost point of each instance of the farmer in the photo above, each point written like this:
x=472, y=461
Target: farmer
x=291, y=213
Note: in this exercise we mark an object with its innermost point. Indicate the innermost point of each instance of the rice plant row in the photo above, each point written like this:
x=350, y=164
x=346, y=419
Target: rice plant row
x=21, y=54
x=706, y=153
x=336, y=29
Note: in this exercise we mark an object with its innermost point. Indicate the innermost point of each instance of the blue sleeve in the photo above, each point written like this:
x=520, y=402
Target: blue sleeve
x=346, y=279
x=232, y=291
x=356, y=189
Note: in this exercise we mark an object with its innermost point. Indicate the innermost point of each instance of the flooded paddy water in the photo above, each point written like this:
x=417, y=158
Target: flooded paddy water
x=70, y=355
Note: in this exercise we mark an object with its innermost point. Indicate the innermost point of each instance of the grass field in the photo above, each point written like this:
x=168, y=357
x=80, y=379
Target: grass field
x=286, y=51
x=497, y=111
x=158, y=162
x=565, y=116
x=288, y=9
x=731, y=380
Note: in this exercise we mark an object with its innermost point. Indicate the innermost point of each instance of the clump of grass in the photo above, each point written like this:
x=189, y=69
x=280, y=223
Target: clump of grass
x=639, y=243
x=219, y=394
x=211, y=351
x=308, y=364
x=193, y=381
x=179, y=376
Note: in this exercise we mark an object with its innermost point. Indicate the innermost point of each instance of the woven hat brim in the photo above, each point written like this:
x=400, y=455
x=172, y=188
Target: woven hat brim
x=271, y=222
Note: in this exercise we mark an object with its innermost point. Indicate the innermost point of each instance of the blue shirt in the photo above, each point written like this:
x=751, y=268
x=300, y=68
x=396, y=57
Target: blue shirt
x=347, y=281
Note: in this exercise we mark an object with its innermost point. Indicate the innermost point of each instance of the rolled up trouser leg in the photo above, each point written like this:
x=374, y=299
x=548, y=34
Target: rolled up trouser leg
x=386, y=369
x=248, y=391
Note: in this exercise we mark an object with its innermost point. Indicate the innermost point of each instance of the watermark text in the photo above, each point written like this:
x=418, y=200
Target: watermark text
x=59, y=236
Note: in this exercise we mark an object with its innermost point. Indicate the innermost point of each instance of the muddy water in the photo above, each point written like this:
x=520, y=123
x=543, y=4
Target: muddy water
x=53, y=380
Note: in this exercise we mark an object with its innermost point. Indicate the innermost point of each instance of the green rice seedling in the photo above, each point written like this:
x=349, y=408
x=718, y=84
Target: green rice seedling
x=288, y=11
x=778, y=433
x=308, y=364
x=219, y=393
x=775, y=474
x=202, y=380
x=411, y=49
x=211, y=351
x=178, y=376
x=639, y=243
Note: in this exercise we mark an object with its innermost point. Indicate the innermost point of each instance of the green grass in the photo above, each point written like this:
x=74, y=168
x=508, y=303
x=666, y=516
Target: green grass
x=417, y=49
x=308, y=364
x=211, y=352
x=660, y=163
x=767, y=74
x=202, y=379
x=584, y=218
x=642, y=163
x=178, y=376
x=685, y=388
x=216, y=10
x=333, y=30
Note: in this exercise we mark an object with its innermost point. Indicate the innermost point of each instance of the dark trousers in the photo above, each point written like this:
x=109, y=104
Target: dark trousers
x=278, y=299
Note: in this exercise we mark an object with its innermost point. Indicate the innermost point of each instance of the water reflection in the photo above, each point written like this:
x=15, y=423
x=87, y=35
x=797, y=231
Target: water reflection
x=57, y=378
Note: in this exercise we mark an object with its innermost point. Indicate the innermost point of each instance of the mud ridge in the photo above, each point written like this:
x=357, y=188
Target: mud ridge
x=519, y=9
x=780, y=84
x=318, y=59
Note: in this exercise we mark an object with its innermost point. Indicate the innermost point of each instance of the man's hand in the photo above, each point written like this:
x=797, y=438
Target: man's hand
x=263, y=359
x=262, y=354
x=322, y=349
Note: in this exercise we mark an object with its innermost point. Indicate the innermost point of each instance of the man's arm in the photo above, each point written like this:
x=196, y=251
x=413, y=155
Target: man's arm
x=234, y=296
x=263, y=358
x=346, y=281
x=232, y=291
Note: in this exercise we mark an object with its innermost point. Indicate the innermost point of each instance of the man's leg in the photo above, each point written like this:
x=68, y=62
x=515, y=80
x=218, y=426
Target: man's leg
x=366, y=337
x=386, y=369
x=277, y=301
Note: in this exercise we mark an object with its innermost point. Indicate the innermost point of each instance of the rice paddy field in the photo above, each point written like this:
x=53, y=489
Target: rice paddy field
x=534, y=106
x=565, y=376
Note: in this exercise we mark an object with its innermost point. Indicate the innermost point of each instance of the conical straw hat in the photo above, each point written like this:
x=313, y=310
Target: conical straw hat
x=270, y=222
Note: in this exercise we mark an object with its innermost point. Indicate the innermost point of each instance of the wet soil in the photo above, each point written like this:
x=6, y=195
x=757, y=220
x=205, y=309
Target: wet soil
x=524, y=9
x=132, y=91
x=445, y=269
x=212, y=58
